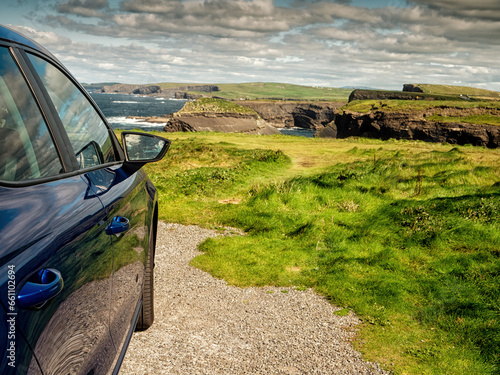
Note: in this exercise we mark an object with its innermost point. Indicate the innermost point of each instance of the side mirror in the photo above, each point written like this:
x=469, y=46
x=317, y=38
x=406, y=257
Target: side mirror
x=142, y=148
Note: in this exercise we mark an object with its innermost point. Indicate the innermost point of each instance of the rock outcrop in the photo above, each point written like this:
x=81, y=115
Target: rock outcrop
x=411, y=125
x=221, y=122
x=409, y=87
x=120, y=88
x=147, y=90
x=288, y=114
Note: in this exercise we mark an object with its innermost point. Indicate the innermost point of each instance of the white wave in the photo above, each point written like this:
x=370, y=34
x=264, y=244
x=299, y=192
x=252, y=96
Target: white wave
x=126, y=102
x=132, y=122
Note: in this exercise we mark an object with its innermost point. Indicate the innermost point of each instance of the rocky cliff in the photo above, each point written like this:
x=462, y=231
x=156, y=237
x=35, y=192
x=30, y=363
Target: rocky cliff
x=409, y=87
x=400, y=95
x=221, y=122
x=288, y=114
x=411, y=125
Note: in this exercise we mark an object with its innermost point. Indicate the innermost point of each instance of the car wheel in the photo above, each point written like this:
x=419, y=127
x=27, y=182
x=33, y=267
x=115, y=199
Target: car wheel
x=146, y=314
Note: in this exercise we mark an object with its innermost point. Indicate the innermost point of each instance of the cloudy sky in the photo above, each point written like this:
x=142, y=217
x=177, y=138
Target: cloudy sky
x=335, y=43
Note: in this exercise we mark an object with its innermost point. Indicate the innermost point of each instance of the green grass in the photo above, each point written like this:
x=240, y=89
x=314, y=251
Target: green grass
x=259, y=90
x=365, y=106
x=473, y=112
x=278, y=91
x=459, y=90
x=404, y=234
x=207, y=105
x=268, y=90
x=487, y=119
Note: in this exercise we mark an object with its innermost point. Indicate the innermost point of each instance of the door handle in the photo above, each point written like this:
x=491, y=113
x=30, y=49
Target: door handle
x=40, y=288
x=118, y=226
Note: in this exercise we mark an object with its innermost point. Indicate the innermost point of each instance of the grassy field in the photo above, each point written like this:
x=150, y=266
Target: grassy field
x=278, y=91
x=459, y=90
x=274, y=91
x=207, y=105
x=405, y=234
x=416, y=105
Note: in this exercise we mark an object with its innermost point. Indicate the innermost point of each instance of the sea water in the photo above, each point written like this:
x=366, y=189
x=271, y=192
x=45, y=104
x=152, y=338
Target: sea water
x=119, y=107
x=299, y=132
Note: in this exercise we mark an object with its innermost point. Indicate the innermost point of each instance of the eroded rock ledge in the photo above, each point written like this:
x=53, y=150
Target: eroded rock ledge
x=411, y=126
x=221, y=122
x=267, y=117
x=287, y=114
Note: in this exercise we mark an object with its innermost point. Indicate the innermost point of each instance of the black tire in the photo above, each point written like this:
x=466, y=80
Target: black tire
x=146, y=314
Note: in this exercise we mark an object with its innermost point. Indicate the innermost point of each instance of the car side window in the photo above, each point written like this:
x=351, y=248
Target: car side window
x=27, y=150
x=86, y=130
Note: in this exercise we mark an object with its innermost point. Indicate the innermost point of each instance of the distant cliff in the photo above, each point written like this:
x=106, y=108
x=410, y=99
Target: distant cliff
x=412, y=125
x=181, y=92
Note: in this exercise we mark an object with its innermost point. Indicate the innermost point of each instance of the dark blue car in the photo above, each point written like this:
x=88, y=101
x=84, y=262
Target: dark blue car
x=78, y=219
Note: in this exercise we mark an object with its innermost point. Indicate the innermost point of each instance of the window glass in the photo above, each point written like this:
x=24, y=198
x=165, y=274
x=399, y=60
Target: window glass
x=87, y=132
x=27, y=150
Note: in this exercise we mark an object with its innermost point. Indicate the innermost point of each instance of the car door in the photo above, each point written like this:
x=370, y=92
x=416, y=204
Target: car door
x=126, y=195
x=58, y=229
x=55, y=255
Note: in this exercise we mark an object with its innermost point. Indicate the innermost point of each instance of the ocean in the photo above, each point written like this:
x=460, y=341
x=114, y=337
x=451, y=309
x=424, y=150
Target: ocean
x=117, y=107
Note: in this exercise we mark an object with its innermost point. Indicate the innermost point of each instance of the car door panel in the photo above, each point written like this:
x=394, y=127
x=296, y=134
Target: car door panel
x=128, y=196
x=63, y=229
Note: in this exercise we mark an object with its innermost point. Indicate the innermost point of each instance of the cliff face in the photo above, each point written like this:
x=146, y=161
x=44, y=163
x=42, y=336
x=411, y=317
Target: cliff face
x=269, y=116
x=401, y=125
x=181, y=92
x=284, y=114
x=221, y=122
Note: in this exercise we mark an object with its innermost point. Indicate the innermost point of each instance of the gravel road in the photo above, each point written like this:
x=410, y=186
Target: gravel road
x=204, y=326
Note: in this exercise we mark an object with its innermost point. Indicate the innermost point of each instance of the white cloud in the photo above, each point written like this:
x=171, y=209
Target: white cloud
x=312, y=42
x=47, y=39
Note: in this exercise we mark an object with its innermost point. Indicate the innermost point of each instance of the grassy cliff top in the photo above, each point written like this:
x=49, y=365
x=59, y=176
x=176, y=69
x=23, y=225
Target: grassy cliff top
x=472, y=92
x=268, y=90
x=278, y=91
x=366, y=106
x=471, y=112
x=211, y=105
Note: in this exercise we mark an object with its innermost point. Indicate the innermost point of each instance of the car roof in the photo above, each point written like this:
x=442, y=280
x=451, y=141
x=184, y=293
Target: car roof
x=12, y=36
